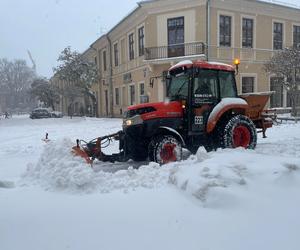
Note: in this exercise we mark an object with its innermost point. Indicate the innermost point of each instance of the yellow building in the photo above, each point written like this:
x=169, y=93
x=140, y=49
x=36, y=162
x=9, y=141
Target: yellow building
x=159, y=33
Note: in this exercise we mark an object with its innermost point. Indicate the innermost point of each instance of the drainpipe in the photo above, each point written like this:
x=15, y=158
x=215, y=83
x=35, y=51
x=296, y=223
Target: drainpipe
x=110, y=78
x=208, y=22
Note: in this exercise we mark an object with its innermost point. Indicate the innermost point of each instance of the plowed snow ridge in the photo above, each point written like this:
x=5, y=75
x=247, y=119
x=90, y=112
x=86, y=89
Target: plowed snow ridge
x=206, y=176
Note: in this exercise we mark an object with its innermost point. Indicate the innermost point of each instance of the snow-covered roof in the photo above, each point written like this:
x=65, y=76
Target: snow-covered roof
x=181, y=64
x=220, y=64
x=286, y=3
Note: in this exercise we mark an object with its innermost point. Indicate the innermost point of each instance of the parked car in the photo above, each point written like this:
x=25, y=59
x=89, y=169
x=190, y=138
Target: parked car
x=44, y=113
x=56, y=114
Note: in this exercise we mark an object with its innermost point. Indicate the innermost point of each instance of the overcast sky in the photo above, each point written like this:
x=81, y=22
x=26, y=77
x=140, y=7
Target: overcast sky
x=46, y=27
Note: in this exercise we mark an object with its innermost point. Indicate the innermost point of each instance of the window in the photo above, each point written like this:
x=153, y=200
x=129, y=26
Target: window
x=142, y=88
x=141, y=41
x=247, y=84
x=96, y=61
x=247, y=33
x=117, y=96
x=227, y=84
x=123, y=52
x=99, y=61
x=225, y=31
x=296, y=35
x=104, y=60
x=176, y=37
x=278, y=36
x=131, y=46
x=123, y=96
x=116, y=54
x=205, y=85
x=143, y=97
x=277, y=86
x=178, y=88
x=132, y=94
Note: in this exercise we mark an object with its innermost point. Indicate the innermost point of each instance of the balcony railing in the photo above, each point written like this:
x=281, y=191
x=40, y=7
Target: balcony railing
x=176, y=50
x=246, y=55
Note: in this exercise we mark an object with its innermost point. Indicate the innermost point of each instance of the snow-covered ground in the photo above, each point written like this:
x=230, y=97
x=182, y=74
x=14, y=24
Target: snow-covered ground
x=229, y=199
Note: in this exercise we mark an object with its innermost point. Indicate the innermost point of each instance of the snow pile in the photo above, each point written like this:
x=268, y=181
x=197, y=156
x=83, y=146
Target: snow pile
x=58, y=169
x=218, y=178
x=215, y=178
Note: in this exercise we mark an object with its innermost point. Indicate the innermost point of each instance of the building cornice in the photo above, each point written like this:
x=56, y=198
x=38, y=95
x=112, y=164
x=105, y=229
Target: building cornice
x=257, y=7
x=161, y=6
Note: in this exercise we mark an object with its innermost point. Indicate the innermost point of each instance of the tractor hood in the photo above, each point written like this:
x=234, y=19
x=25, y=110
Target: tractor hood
x=149, y=111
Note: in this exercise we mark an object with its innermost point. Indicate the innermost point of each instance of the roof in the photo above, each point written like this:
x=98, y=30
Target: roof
x=280, y=3
x=204, y=65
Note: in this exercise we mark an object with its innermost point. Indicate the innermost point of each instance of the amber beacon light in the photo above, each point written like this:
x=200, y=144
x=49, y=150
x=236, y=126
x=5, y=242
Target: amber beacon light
x=237, y=62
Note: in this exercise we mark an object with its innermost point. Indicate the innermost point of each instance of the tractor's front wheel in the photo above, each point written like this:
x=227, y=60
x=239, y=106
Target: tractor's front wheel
x=164, y=149
x=238, y=131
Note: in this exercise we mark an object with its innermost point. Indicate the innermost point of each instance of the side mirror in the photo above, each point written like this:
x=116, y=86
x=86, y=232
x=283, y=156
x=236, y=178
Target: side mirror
x=152, y=82
x=168, y=80
x=164, y=77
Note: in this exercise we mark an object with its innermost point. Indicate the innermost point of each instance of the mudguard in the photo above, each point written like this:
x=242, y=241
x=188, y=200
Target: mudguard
x=224, y=106
x=173, y=131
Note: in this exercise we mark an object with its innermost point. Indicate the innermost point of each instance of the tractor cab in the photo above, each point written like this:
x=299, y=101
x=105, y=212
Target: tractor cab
x=201, y=82
x=200, y=86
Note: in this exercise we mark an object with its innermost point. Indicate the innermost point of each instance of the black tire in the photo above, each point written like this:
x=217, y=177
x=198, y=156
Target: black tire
x=237, y=131
x=164, y=149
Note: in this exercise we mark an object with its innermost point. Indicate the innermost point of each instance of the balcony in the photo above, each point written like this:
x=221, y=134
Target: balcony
x=171, y=52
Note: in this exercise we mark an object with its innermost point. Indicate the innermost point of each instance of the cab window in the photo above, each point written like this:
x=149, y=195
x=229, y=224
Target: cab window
x=205, y=84
x=227, y=84
x=178, y=87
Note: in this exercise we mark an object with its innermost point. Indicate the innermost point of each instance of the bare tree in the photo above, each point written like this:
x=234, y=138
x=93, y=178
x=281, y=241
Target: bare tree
x=45, y=92
x=286, y=65
x=15, y=79
x=78, y=72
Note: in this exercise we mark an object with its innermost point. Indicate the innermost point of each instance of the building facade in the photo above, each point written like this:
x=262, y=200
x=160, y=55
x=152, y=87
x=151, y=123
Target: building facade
x=133, y=56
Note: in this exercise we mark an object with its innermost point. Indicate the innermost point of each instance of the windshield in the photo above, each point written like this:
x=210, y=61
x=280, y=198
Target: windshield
x=178, y=87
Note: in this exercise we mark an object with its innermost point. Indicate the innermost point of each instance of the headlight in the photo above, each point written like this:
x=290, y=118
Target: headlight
x=128, y=122
x=136, y=120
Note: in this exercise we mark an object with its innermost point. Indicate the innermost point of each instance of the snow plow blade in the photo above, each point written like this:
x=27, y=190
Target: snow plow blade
x=77, y=151
x=93, y=150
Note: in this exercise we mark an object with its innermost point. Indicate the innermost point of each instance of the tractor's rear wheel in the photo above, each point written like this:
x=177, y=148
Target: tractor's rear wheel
x=238, y=131
x=164, y=149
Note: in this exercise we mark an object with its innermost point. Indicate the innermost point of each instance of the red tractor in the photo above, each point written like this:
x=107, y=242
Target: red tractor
x=203, y=109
